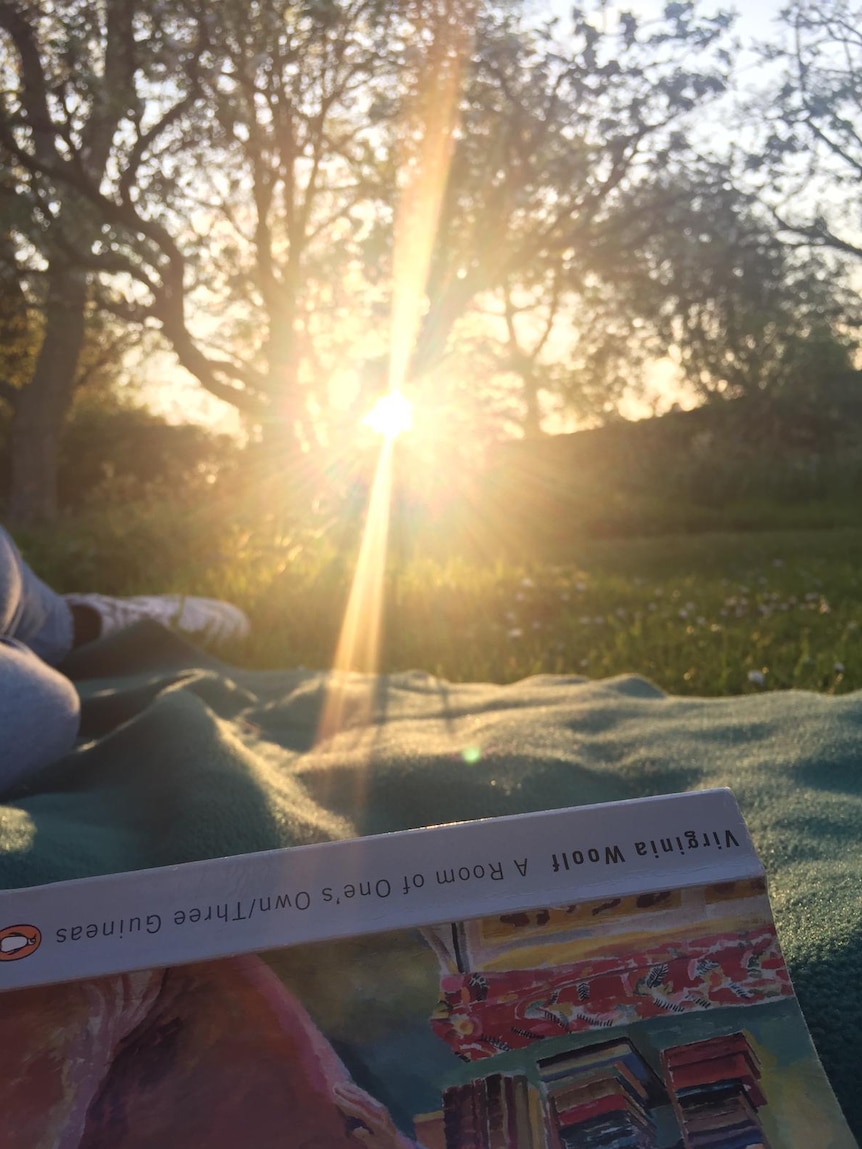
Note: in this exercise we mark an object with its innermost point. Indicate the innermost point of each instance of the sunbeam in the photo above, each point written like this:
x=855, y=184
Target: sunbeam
x=428, y=134
x=428, y=139
x=359, y=642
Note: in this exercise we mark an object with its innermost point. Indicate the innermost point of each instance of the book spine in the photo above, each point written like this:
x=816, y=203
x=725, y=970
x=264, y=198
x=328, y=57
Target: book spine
x=202, y=910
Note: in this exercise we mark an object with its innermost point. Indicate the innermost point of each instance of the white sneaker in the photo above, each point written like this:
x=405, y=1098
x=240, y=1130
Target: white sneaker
x=205, y=618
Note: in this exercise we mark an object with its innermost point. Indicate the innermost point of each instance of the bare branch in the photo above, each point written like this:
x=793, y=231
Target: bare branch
x=817, y=234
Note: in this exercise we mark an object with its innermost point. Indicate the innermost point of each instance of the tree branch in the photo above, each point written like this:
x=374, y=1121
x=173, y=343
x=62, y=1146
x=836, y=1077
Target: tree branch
x=34, y=93
x=818, y=235
x=147, y=139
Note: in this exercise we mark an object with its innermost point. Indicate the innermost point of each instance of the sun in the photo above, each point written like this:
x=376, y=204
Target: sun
x=391, y=415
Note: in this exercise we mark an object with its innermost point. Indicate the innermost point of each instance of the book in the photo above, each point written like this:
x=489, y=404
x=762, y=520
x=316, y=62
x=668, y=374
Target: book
x=599, y=976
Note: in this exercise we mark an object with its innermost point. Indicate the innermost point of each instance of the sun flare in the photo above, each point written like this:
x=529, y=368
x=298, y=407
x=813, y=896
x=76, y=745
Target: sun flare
x=391, y=415
x=428, y=131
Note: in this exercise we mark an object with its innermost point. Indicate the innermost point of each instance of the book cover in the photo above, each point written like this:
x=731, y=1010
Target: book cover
x=601, y=976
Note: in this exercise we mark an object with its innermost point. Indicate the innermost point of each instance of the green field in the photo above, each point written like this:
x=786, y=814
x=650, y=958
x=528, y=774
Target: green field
x=722, y=614
x=708, y=614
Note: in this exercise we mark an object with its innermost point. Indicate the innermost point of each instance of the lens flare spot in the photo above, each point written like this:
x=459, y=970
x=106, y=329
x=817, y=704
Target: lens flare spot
x=471, y=754
x=391, y=415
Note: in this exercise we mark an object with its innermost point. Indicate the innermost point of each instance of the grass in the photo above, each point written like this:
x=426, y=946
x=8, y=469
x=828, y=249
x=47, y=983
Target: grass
x=710, y=614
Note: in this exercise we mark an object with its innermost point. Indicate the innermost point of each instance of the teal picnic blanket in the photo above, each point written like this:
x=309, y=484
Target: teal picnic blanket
x=184, y=758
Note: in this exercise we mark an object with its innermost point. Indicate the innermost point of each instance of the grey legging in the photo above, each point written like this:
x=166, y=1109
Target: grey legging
x=39, y=708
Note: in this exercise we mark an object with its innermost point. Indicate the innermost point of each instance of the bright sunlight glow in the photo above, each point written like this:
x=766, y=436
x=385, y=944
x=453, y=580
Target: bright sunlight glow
x=428, y=139
x=391, y=415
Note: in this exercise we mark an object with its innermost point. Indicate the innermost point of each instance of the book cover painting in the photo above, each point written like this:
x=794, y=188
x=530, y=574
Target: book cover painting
x=648, y=1021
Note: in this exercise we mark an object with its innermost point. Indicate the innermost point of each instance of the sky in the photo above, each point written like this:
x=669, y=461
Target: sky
x=755, y=17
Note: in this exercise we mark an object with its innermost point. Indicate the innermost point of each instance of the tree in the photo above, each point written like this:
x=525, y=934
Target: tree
x=74, y=119
x=700, y=263
x=229, y=191
x=811, y=153
x=560, y=120
x=297, y=171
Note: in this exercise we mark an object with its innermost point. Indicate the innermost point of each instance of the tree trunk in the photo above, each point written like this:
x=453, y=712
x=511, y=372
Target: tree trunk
x=43, y=403
x=532, y=424
x=286, y=420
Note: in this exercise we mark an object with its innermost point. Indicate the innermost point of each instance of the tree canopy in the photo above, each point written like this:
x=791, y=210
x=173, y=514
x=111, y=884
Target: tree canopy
x=717, y=290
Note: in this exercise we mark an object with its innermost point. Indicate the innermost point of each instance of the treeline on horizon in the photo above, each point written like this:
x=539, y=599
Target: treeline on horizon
x=228, y=184
x=756, y=463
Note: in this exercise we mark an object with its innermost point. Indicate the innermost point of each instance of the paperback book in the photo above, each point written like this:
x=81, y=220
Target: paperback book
x=600, y=976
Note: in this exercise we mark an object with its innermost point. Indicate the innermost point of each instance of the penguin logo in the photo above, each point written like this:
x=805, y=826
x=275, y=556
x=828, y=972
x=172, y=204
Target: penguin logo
x=18, y=942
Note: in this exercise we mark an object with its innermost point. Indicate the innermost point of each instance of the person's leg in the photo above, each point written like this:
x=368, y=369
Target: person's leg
x=30, y=611
x=39, y=713
x=52, y=624
x=39, y=708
